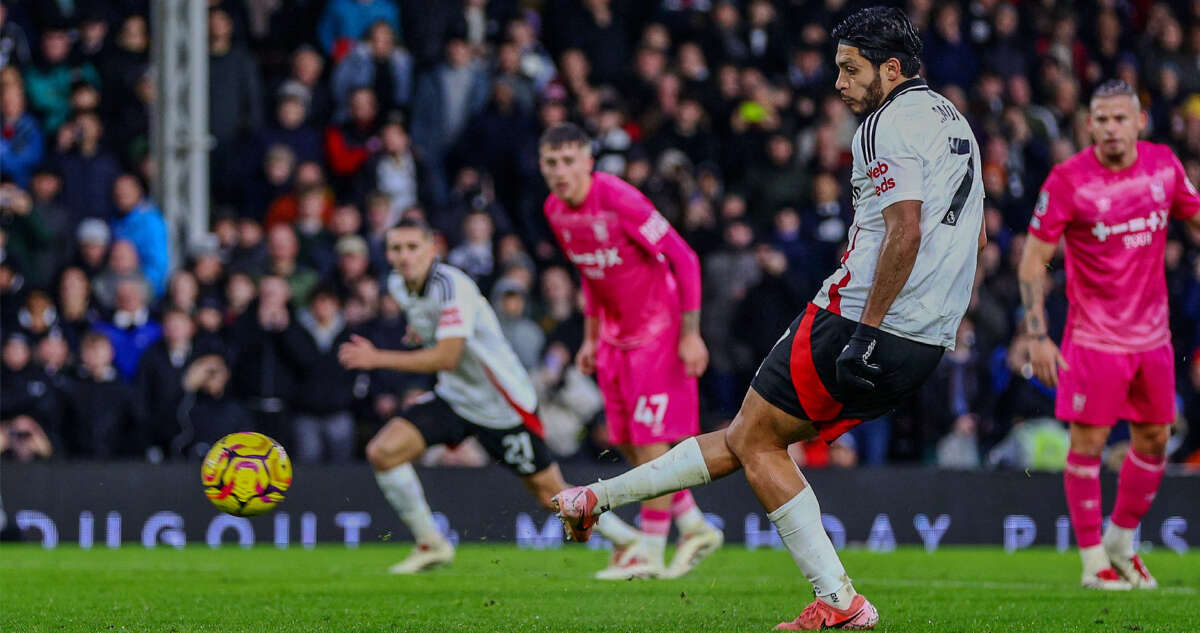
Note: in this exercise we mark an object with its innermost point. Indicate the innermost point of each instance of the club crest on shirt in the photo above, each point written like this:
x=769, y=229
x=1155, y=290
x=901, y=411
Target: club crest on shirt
x=600, y=229
x=1103, y=205
x=1158, y=192
x=1078, y=401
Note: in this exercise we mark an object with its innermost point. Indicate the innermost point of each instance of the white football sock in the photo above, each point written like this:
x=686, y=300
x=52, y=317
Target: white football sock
x=681, y=467
x=1119, y=540
x=691, y=521
x=1095, y=559
x=799, y=525
x=611, y=527
x=655, y=547
x=403, y=490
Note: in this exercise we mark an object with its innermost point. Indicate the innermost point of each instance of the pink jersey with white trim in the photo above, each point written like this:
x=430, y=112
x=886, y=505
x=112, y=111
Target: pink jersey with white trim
x=616, y=239
x=1115, y=226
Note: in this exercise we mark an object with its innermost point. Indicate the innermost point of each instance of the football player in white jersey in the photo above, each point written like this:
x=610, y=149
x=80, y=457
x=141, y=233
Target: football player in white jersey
x=482, y=391
x=871, y=336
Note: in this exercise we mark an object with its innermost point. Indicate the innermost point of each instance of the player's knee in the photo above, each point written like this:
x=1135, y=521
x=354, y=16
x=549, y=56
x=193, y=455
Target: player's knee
x=1151, y=440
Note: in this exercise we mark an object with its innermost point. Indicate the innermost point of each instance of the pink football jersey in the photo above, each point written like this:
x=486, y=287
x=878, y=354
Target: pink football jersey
x=1115, y=225
x=617, y=240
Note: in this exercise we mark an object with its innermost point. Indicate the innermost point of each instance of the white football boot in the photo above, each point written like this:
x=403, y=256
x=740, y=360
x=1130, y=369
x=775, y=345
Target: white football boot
x=425, y=556
x=630, y=561
x=694, y=547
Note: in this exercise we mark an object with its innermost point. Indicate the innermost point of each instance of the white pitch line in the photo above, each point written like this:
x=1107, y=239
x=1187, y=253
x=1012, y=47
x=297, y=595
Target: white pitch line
x=1016, y=586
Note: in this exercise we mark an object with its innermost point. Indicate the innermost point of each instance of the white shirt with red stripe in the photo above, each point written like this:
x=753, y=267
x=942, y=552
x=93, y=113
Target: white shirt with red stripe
x=489, y=387
x=915, y=146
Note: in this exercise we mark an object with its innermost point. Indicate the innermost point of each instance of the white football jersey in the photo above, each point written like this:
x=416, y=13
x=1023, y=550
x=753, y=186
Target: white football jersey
x=916, y=146
x=489, y=387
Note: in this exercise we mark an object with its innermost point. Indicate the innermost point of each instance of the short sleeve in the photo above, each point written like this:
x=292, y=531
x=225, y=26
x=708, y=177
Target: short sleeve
x=895, y=169
x=458, y=299
x=1186, y=204
x=639, y=219
x=1054, y=209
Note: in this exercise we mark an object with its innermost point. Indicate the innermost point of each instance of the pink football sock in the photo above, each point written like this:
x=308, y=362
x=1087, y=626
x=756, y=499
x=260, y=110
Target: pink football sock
x=681, y=502
x=1140, y=477
x=1081, y=481
x=656, y=522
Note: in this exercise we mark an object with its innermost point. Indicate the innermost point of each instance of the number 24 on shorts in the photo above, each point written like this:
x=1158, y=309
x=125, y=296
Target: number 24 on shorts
x=651, y=410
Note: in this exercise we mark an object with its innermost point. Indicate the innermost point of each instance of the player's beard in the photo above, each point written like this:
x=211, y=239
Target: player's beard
x=874, y=97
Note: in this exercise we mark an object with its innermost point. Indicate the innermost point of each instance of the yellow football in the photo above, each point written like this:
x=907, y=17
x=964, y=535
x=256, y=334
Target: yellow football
x=246, y=474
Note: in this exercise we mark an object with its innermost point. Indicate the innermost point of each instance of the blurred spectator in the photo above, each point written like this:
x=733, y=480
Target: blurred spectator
x=510, y=298
x=27, y=392
x=270, y=354
x=777, y=183
x=289, y=130
x=345, y=21
x=159, y=378
x=959, y=449
x=307, y=71
x=235, y=99
x=949, y=56
x=14, y=44
x=283, y=248
x=376, y=63
x=769, y=306
x=21, y=140
x=131, y=330
x=445, y=99
x=88, y=169
x=324, y=428
x=316, y=241
x=139, y=221
x=23, y=439
x=104, y=418
x=349, y=144
x=46, y=190
x=353, y=265
x=728, y=273
x=474, y=256
x=27, y=236
x=49, y=79
x=396, y=171
x=37, y=318
x=206, y=411
x=122, y=264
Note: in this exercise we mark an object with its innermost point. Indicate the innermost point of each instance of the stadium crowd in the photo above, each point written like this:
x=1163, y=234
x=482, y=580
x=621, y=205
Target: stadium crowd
x=333, y=119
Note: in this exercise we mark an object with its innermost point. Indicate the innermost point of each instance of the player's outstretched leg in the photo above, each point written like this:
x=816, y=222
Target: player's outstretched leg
x=1141, y=474
x=1081, y=483
x=391, y=452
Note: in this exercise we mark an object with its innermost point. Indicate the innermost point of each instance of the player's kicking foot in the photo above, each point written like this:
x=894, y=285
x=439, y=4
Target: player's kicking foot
x=576, y=508
x=819, y=616
x=693, y=548
x=1134, y=571
x=628, y=562
x=1106, y=579
x=425, y=556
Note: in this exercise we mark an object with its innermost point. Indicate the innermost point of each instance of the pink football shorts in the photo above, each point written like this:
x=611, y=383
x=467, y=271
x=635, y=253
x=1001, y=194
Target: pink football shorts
x=1101, y=387
x=648, y=396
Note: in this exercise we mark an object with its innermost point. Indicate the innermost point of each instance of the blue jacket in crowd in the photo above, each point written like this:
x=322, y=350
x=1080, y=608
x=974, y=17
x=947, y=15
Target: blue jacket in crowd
x=145, y=227
x=21, y=149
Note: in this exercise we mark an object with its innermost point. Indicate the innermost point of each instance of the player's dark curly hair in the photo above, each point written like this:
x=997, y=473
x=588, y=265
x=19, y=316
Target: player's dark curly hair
x=881, y=33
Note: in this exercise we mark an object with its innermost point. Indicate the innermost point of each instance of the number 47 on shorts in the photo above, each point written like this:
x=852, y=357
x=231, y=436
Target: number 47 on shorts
x=651, y=410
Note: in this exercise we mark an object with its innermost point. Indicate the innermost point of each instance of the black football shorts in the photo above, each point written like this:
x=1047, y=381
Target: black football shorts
x=799, y=375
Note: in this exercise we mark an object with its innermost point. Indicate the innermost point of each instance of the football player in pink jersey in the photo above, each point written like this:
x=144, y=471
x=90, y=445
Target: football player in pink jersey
x=641, y=283
x=1110, y=203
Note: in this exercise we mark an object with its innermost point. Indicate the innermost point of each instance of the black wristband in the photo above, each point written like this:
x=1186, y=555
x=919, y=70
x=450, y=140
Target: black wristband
x=866, y=331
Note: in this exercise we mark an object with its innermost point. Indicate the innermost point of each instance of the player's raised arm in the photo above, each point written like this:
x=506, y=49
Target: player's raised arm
x=651, y=231
x=360, y=353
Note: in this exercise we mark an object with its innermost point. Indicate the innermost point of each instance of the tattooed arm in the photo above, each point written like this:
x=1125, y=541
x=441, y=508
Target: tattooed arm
x=1031, y=274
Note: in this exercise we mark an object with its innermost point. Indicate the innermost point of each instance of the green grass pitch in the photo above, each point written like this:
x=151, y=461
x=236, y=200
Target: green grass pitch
x=502, y=588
